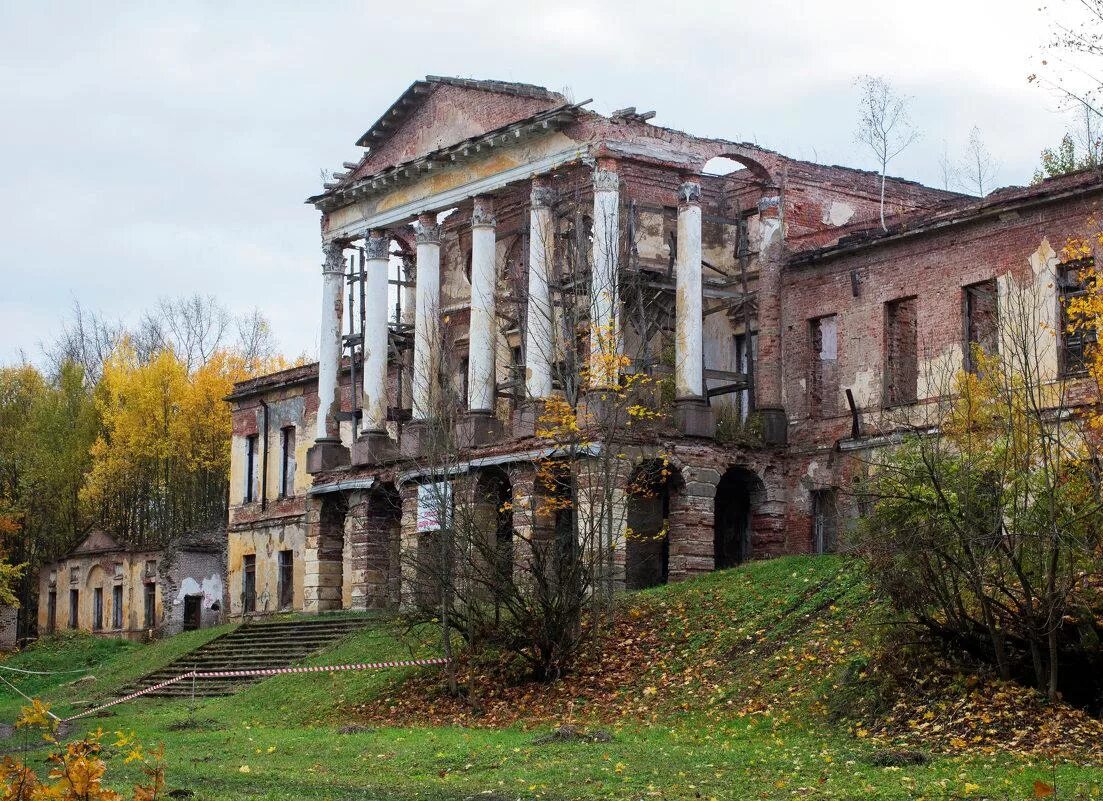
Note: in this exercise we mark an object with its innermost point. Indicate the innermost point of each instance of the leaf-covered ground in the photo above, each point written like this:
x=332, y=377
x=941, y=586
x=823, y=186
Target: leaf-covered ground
x=728, y=687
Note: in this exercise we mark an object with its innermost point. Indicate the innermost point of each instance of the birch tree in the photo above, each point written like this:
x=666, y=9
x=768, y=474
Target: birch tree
x=884, y=125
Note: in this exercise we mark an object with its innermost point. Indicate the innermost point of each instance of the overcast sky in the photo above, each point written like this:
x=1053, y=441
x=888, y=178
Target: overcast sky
x=155, y=149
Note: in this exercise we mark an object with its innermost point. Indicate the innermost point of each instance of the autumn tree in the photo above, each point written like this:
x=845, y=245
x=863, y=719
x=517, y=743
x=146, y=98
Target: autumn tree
x=161, y=466
x=47, y=426
x=985, y=522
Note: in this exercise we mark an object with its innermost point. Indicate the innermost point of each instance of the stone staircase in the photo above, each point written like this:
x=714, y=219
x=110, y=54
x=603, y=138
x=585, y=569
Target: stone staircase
x=252, y=645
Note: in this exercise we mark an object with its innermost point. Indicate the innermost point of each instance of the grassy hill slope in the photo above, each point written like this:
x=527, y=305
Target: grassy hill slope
x=728, y=686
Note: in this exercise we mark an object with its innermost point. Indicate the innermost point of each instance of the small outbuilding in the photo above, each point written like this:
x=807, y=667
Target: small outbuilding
x=103, y=587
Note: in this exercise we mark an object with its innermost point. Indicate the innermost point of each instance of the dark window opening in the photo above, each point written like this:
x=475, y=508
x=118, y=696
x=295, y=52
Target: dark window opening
x=1075, y=343
x=823, y=386
x=901, y=352
x=193, y=612
x=249, y=584
x=981, y=321
x=97, y=609
x=286, y=578
x=250, y=468
x=117, y=606
x=287, y=461
x=51, y=612
x=74, y=607
x=150, y=605
x=825, y=521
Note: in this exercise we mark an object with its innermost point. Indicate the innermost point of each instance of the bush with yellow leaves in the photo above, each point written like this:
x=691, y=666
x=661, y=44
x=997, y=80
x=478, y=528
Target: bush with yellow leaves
x=77, y=768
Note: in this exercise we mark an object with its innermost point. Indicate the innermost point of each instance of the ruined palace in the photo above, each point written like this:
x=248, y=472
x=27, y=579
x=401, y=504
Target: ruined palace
x=494, y=240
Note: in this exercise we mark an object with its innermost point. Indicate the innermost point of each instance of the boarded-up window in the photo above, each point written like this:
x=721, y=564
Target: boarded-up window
x=981, y=321
x=901, y=352
x=823, y=385
x=1076, y=343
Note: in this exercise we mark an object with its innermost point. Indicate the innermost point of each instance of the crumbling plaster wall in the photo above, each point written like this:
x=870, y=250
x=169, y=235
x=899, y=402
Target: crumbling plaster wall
x=1017, y=248
x=98, y=570
x=265, y=540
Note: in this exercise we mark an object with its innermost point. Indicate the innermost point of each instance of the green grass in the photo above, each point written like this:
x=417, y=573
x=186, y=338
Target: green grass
x=280, y=738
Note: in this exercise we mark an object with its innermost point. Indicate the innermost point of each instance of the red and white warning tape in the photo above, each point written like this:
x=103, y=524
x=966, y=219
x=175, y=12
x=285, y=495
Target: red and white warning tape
x=222, y=674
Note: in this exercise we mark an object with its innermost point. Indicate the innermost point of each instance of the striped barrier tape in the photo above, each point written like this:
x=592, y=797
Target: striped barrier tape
x=221, y=674
x=130, y=697
x=225, y=674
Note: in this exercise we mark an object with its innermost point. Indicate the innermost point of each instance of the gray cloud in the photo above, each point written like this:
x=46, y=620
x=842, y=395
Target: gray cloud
x=163, y=148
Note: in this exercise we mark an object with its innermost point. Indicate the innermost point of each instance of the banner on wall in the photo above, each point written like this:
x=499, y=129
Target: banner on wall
x=434, y=506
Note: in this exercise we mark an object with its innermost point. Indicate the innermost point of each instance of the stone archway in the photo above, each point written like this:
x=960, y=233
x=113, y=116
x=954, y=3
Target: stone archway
x=323, y=578
x=739, y=494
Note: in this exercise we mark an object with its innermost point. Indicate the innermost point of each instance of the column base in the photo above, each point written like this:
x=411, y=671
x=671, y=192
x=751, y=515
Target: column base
x=775, y=425
x=478, y=427
x=601, y=409
x=694, y=418
x=373, y=447
x=415, y=439
x=526, y=417
x=326, y=454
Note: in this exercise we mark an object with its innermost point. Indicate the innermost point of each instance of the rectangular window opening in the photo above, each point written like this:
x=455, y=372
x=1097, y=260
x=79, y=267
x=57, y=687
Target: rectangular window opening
x=51, y=612
x=745, y=362
x=97, y=609
x=287, y=461
x=150, y=605
x=74, y=607
x=286, y=578
x=117, y=606
x=901, y=352
x=249, y=583
x=1075, y=345
x=250, y=468
x=823, y=385
x=981, y=321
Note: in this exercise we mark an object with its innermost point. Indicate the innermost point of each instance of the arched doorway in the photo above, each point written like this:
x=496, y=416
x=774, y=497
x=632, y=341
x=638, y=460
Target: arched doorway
x=382, y=544
x=331, y=552
x=738, y=494
x=647, y=550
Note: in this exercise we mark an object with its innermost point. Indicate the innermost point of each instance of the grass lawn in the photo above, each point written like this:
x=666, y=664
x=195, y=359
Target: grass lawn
x=705, y=718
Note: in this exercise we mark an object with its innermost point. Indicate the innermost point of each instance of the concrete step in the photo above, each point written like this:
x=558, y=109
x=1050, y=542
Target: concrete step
x=252, y=646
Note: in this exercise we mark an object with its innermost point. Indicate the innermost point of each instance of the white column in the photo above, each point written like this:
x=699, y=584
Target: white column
x=688, y=367
x=480, y=355
x=539, y=341
x=426, y=316
x=605, y=344
x=376, y=273
x=329, y=351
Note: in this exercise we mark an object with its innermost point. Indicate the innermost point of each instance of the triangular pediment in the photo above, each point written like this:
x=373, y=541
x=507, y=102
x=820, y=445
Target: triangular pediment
x=438, y=112
x=97, y=541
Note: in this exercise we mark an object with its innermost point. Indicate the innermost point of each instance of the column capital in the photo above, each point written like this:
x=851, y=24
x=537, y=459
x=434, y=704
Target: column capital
x=605, y=177
x=377, y=245
x=542, y=195
x=334, y=261
x=689, y=193
x=427, y=231
x=482, y=212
